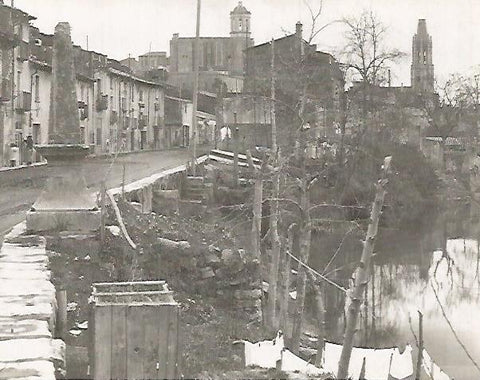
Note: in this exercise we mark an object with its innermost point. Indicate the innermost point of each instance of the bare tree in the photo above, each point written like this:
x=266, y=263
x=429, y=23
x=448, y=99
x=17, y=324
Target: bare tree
x=366, y=61
x=297, y=69
x=366, y=52
x=456, y=99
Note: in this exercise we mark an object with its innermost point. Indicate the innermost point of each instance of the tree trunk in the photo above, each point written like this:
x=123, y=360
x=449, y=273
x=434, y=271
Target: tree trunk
x=305, y=239
x=321, y=324
x=420, y=346
x=257, y=207
x=275, y=239
x=286, y=279
x=274, y=264
x=362, y=274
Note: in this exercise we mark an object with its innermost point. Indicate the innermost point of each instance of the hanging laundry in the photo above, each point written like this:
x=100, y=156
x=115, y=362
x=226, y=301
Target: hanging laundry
x=374, y=364
x=268, y=353
x=433, y=370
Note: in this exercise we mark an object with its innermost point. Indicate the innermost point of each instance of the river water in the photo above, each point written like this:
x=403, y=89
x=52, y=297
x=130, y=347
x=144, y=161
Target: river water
x=423, y=270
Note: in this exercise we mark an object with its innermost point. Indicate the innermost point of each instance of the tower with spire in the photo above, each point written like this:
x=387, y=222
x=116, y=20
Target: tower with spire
x=240, y=37
x=422, y=74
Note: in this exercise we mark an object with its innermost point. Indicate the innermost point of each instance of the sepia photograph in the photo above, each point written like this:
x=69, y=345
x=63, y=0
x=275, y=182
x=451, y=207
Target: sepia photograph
x=225, y=189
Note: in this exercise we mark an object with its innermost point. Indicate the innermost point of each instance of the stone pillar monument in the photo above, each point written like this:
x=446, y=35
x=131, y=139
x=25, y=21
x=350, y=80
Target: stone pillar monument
x=65, y=204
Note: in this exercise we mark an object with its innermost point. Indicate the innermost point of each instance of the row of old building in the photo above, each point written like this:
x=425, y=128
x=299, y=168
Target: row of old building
x=146, y=104
x=118, y=110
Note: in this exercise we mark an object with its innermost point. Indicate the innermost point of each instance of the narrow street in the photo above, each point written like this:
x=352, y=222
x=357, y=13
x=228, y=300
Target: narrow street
x=15, y=201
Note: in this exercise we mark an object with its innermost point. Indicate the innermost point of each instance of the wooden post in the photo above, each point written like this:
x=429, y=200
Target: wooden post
x=362, y=273
x=272, y=108
x=365, y=319
x=195, y=91
x=102, y=212
x=61, y=322
x=373, y=324
x=235, y=151
x=123, y=181
x=420, y=346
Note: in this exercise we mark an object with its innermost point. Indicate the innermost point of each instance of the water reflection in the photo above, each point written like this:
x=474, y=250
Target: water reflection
x=407, y=269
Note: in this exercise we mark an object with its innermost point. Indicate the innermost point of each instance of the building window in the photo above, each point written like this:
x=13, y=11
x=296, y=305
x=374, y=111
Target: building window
x=240, y=24
x=424, y=57
x=19, y=77
x=37, y=88
x=140, y=95
x=99, y=136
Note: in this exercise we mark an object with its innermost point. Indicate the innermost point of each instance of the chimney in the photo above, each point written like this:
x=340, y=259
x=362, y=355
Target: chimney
x=389, y=78
x=298, y=29
x=175, y=35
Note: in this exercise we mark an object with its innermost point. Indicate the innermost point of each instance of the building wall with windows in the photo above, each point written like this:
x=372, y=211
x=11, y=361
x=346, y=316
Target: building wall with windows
x=129, y=112
x=14, y=91
x=118, y=111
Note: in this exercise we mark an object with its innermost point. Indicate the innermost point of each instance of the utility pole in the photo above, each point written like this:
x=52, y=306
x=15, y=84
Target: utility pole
x=272, y=114
x=235, y=151
x=362, y=273
x=196, y=62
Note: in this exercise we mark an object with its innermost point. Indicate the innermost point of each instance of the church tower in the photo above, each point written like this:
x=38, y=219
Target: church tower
x=422, y=64
x=240, y=22
x=240, y=38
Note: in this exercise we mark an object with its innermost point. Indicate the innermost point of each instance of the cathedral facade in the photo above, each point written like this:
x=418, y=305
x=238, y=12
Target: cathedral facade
x=220, y=58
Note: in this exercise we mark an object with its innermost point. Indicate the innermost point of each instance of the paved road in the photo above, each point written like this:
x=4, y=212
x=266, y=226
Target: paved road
x=15, y=201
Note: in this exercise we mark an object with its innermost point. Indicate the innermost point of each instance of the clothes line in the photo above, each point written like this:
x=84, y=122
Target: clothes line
x=318, y=274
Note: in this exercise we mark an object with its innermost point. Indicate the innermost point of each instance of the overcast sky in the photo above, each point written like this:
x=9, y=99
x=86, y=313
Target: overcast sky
x=122, y=27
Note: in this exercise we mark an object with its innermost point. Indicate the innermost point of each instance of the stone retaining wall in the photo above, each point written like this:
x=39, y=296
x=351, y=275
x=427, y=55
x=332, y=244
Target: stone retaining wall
x=143, y=191
x=34, y=174
x=231, y=276
x=28, y=310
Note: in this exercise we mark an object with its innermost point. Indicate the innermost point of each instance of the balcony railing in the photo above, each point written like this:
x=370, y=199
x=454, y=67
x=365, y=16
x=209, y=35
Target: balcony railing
x=23, y=102
x=113, y=117
x=23, y=51
x=102, y=103
x=83, y=109
x=142, y=121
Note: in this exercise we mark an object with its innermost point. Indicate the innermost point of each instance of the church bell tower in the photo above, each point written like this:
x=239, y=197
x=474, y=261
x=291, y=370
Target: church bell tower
x=240, y=22
x=422, y=75
x=240, y=39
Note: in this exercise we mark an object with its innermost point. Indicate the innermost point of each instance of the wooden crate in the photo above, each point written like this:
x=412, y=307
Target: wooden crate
x=135, y=331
